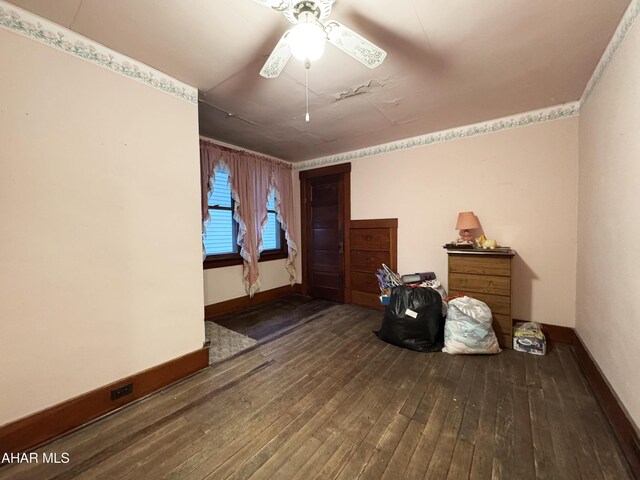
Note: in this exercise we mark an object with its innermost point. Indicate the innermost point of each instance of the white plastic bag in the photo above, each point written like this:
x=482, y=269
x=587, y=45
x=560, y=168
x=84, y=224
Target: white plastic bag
x=468, y=327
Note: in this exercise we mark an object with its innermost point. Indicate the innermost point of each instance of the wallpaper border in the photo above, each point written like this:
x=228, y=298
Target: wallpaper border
x=491, y=126
x=627, y=21
x=27, y=24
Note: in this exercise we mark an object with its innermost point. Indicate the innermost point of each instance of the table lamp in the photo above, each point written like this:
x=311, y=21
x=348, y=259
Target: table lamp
x=467, y=221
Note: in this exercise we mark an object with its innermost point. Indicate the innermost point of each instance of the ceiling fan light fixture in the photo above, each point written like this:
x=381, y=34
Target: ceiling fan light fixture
x=307, y=41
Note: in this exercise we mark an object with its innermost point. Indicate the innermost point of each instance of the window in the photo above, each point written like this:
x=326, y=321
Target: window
x=221, y=231
x=271, y=237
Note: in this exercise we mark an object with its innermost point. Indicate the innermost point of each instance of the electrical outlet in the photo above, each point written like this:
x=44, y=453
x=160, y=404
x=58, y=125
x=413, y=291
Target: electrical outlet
x=116, y=393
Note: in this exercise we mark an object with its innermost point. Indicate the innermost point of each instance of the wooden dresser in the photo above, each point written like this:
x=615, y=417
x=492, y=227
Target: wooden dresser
x=371, y=243
x=486, y=276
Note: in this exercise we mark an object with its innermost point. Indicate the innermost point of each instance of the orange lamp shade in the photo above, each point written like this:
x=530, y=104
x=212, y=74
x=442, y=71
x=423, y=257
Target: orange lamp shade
x=467, y=221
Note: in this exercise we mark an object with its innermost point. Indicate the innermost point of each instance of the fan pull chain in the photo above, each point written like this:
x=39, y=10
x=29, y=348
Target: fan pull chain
x=307, y=65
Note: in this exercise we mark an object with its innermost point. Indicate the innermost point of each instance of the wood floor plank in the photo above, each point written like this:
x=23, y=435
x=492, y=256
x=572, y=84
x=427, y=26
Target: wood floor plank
x=471, y=417
x=442, y=454
x=402, y=455
x=333, y=397
x=273, y=382
x=563, y=441
x=372, y=425
x=483, y=452
x=542, y=442
x=436, y=371
x=524, y=463
x=444, y=377
x=329, y=415
x=382, y=453
x=320, y=458
x=298, y=404
x=460, y=467
x=598, y=431
x=464, y=448
x=325, y=398
x=504, y=434
x=442, y=391
x=297, y=460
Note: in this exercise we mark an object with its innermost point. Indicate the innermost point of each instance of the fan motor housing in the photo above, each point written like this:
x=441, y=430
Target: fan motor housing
x=320, y=9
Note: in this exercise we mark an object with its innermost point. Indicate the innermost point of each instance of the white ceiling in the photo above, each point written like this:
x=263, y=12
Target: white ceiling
x=449, y=64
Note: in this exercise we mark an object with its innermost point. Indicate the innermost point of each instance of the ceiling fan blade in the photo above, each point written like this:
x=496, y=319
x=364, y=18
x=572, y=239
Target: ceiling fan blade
x=355, y=45
x=278, y=58
x=279, y=5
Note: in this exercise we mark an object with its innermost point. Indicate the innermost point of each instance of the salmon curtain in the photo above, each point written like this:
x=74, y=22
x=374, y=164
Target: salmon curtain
x=283, y=186
x=251, y=178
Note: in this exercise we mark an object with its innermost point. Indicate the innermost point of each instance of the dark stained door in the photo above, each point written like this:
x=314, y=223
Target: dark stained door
x=325, y=237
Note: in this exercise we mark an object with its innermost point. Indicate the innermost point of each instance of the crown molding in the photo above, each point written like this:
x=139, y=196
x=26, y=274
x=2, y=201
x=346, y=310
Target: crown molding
x=627, y=21
x=27, y=24
x=491, y=126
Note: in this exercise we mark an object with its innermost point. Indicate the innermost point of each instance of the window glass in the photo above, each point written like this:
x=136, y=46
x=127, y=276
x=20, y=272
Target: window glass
x=221, y=193
x=218, y=237
x=271, y=231
x=220, y=229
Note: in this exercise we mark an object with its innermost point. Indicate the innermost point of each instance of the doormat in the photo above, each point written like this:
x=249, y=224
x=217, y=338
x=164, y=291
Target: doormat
x=225, y=342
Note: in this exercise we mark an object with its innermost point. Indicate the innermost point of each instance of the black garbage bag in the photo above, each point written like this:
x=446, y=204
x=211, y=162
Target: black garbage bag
x=413, y=319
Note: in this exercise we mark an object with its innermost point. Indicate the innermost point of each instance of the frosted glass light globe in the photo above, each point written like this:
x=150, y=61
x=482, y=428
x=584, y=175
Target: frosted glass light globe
x=307, y=41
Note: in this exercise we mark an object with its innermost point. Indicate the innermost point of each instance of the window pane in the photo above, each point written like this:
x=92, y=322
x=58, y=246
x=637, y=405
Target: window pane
x=271, y=233
x=218, y=237
x=221, y=193
x=271, y=201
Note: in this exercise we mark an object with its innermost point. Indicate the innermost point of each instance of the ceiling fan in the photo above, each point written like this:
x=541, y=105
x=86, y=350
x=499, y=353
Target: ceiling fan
x=306, y=39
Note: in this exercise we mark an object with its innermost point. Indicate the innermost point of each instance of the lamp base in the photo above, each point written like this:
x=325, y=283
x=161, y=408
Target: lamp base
x=466, y=235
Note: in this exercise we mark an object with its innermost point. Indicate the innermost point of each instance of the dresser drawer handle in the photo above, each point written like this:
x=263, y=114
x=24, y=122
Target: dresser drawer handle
x=369, y=259
x=369, y=237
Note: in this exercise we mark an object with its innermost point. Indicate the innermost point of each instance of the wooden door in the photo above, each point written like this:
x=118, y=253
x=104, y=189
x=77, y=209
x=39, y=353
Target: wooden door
x=325, y=221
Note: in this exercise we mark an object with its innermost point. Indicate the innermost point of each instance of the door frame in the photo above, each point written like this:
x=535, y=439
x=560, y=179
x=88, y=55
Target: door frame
x=344, y=170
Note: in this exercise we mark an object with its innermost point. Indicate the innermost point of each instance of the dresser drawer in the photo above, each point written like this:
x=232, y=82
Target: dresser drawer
x=505, y=340
x=480, y=265
x=367, y=299
x=364, y=282
x=370, y=238
x=480, y=284
x=497, y=303
x=502, y=324
x=369, y=261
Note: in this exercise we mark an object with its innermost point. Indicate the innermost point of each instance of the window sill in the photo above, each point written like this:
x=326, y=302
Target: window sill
x=219, y=261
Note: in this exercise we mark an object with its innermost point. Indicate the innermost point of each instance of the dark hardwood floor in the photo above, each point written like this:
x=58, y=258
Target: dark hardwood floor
x=274, y=317
x=330, y=400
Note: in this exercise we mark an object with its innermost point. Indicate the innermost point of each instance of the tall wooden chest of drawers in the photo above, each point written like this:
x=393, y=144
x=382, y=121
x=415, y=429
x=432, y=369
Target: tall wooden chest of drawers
x=486, y=276
x=371, y=243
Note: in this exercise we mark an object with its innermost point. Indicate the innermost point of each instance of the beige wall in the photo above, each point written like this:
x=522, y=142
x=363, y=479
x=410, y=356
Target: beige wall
x=607, y=317
x=225, y=283
x=100, y=231
x=522, y=184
